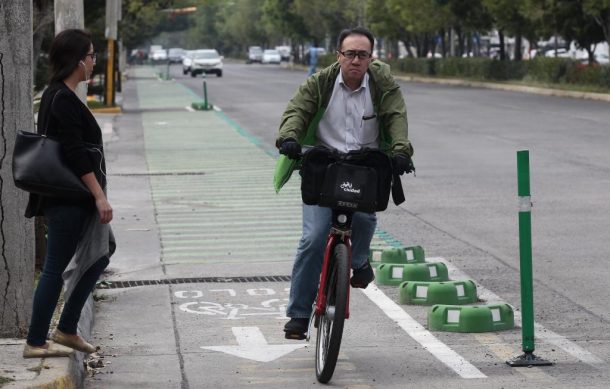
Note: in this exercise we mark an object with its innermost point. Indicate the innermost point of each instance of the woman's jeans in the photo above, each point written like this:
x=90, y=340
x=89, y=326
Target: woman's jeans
x=65, y=225
x=310, y=254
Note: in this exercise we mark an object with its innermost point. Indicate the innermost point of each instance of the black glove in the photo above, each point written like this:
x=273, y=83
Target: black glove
x=402, y=163
x=290, y=148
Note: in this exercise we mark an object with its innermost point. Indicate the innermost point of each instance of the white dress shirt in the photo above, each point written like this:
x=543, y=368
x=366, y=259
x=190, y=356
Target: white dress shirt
x=349, y=122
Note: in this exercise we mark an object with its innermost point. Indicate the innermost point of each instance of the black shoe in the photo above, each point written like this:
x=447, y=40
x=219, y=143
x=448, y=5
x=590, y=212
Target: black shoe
x=296, y=328
x=362, y=277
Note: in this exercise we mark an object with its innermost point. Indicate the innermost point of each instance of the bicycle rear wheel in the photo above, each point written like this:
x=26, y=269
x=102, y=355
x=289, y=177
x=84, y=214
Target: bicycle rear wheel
x=330, y=326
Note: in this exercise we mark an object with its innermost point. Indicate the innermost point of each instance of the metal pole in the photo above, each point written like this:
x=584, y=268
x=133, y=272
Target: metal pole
x=167, y=70
x=110, y=74
x=525, y=250
x=205, y=93
x=525, y=258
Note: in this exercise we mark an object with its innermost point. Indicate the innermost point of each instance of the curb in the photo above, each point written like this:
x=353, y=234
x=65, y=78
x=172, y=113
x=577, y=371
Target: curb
x=107, y=110
x=509, y=87
x=62, y=373
x=492, y=85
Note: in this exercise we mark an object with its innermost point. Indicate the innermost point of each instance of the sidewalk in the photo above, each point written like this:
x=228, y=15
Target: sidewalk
x=17, y=372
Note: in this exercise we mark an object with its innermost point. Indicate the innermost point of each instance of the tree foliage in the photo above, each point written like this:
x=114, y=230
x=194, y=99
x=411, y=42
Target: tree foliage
x=423, y=25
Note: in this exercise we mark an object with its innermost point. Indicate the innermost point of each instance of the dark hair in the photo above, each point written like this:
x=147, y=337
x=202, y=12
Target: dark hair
x=68, y=48
x=355, y=31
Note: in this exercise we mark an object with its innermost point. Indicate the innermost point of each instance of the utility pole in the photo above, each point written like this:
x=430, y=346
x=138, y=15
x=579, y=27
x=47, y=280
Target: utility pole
x=71, y=14
x=16, y=245
x=113, y=15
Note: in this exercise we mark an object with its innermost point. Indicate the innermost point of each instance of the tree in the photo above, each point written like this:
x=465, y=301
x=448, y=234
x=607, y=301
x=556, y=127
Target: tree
x=581, y=28
x=600, y=10
x=43, y=18
x=468, y=18
x=16, y=232
x=509, y=18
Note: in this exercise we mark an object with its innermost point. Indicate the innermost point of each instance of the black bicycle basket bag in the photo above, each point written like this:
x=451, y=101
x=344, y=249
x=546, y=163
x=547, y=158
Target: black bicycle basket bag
x=381, y=163
x=324, y=172
x=313, y=170
x=350, y=187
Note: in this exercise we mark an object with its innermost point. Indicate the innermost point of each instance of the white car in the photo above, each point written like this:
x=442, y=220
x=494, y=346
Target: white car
x=175, y=55
x=271, y=56
x=255, y=54
x=159, y=55
x=187, y=60
x=206, y=61
x=602, y=58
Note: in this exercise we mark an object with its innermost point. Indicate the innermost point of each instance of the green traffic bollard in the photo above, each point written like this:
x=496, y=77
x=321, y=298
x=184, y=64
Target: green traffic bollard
x=525, y=262
x=205, y=94
x=203, y=105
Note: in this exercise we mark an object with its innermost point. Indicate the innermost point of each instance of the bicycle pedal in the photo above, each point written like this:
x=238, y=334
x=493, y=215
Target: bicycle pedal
x=295, y=336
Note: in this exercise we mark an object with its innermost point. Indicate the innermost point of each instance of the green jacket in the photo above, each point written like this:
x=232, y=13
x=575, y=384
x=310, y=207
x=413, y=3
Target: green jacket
x=305, y=110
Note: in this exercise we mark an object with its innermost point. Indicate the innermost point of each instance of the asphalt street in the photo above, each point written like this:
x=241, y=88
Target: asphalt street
x=176, y=219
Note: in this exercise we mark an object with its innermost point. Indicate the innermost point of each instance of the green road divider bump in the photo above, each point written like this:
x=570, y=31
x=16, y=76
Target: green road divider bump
x=471, y=318
x=390, y=273
x=395, y=273
x=444, y=292
x=379, y=255
x=202, y=106
x=430, y=271
x=415, y=254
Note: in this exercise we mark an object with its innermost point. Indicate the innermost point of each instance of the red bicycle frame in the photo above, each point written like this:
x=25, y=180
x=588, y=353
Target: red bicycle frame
x=331, y=241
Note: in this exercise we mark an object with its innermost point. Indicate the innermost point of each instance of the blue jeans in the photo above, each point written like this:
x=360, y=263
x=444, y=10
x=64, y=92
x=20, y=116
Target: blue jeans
x=310, y=254
x=65, y=225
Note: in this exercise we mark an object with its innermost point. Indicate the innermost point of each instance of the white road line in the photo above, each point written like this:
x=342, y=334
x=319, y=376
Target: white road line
x=440, y=350
x=541, y=332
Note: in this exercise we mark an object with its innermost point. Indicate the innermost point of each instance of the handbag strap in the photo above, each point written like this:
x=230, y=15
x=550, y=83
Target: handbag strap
x=48, y=118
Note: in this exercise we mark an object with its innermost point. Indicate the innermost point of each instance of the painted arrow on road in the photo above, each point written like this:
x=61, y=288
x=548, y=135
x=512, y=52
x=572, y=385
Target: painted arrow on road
x=254, y=346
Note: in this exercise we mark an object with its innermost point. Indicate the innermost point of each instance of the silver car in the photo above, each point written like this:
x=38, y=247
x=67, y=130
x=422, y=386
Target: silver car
x=272, y=56
x=206, y=61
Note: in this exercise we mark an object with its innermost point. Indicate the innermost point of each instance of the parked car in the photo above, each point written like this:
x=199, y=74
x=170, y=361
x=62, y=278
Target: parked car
x=271, y=56
x=187, y=60
x=158, y=55
x=206, y=61
x=285, y=52
x=602, y=58
x=561, y=53
x=255, y=54
x=175, y=55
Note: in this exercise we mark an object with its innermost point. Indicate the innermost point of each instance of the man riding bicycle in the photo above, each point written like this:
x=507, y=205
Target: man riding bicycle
x=354, y=103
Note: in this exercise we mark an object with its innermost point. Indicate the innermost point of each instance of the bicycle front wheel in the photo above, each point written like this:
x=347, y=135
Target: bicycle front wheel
x=330, y=326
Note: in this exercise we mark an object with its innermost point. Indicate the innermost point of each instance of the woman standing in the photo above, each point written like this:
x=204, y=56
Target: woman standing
x=78, y=230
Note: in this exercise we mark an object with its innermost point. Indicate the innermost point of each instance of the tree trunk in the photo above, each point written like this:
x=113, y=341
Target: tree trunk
x=460, y=36
x=16, y=232
x=502, y=49
x=43, y=21
x=518, y=51
x=71, y=14
x=443, y=43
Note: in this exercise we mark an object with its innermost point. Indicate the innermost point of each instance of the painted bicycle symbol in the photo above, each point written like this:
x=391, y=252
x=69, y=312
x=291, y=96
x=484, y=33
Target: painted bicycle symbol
x=231, y=311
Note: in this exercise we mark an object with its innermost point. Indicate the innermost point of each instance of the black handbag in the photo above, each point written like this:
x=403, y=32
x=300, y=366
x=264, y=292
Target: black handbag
x=39, y=166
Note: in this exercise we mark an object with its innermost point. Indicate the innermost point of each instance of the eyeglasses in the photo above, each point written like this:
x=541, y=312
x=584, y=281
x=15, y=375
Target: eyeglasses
x=351, y=54
x=92, y=55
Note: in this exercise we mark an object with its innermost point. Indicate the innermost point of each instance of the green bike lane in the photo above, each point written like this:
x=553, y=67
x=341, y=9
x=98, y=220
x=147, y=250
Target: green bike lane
x=212, y=188
x=220, y=221
x=227, y=241
x=218, y=216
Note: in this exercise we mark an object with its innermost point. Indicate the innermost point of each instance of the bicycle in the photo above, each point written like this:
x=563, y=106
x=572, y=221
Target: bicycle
x=346, y=183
